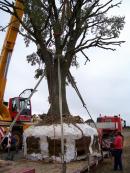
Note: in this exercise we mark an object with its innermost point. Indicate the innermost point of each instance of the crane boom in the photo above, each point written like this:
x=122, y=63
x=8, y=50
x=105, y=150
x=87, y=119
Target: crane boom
x=17, y=116
x=6, y=53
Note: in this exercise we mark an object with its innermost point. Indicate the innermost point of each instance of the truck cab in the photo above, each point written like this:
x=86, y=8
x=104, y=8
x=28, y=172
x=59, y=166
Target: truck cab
x=108, y=126
x=110, y=122
x=18, y=103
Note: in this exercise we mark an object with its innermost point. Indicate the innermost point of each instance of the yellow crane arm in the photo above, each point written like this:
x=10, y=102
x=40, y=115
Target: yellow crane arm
x=6, y=53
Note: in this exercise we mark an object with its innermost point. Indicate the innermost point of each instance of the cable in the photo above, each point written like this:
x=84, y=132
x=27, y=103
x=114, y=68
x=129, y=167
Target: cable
x=61, y=118
x=84, y=105
x=78, y=93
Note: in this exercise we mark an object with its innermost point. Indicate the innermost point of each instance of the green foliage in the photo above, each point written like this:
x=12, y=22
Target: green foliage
x=80, y=24
x=34, y=14
x=108, y=27
x=67, y=27
x=34, y=59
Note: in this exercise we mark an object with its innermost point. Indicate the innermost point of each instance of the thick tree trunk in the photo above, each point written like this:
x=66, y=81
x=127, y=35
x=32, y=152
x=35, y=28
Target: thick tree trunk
x=53, y=86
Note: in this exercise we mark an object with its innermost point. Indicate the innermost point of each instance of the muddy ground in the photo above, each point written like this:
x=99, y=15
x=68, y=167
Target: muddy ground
x=20, y=164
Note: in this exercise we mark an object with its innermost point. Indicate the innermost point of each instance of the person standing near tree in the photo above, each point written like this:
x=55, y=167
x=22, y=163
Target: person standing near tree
x=12, y=147
x=4, y=142
x=118, y=149
x=9, y=146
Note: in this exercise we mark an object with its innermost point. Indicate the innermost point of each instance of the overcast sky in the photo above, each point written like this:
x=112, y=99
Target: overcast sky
x=104, y=82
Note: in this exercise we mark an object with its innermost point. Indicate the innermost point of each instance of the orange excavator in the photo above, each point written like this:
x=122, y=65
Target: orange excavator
x=9, y=112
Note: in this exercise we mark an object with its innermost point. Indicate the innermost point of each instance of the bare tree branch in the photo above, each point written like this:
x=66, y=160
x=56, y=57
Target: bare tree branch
x=87, y=59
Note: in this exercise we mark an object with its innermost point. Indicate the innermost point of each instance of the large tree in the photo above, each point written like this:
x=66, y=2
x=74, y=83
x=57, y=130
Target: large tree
x=61, y=29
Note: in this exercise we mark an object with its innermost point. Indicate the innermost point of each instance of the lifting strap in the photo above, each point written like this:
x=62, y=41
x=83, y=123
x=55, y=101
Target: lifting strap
x=78, y=93
x=84, y=105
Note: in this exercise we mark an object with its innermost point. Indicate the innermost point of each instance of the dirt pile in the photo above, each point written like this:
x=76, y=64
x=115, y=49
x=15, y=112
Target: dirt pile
x=51, y=119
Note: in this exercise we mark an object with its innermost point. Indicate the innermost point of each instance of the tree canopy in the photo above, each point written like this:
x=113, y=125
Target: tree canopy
x=61, y=29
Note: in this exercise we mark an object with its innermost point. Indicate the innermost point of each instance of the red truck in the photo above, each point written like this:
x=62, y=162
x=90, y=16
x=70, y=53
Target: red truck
x=108, y=126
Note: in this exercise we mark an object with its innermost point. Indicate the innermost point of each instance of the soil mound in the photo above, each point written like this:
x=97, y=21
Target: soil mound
x=52, y=119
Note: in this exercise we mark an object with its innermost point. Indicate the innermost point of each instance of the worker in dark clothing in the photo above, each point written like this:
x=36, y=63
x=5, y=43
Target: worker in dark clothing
x=4, y=143
x=118, y=147
x=9, y=146
x=12, y=148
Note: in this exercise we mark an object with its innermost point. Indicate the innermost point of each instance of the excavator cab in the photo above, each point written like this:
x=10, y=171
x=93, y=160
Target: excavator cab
x=18, y=104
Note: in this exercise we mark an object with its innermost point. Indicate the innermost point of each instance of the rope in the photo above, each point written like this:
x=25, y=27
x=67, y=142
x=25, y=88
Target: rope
x=61, y=118
x=52, y=118
x=84, y=105
x=78, y=93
